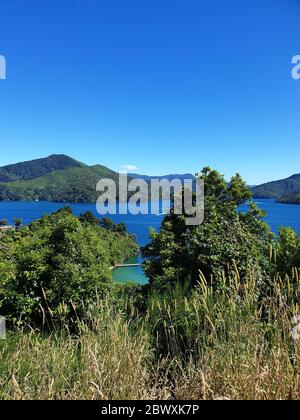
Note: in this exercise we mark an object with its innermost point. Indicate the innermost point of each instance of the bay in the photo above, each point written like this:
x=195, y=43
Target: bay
x=139, y=225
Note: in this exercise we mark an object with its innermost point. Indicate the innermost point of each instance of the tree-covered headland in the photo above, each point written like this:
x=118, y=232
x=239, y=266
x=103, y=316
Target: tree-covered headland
x=59, y=264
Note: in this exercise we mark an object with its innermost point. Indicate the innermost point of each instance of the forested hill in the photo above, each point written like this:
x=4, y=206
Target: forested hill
x=55, y=178
x=293, y=198
x=277, y=189
x=35, y=168
x=58, y=178
x=148, y=178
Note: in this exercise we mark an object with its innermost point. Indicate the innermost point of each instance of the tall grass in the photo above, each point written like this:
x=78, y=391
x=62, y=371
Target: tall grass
x=230, y=343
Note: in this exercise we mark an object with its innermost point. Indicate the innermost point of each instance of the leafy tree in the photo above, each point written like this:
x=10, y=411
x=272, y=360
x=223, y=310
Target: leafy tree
x=238, y=191
x=227, y=240
x=58, y=264
x=292, y=198
x=88, y=217
x=287, y=249
x=18, y=223
x=107, y=223
x=120, y=228
x=3, y=222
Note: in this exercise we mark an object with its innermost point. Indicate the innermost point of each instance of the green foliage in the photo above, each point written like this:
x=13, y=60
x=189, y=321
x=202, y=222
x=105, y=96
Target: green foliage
x=227, y=240
x=36, y=168
x=293, y=198
x=18, y=222
x=185, y=322
x=56, y=266
x=238, y=192
x=75, y=184
x=88, y=217
x=186, y=345
x=105, y=223
x=287, y=251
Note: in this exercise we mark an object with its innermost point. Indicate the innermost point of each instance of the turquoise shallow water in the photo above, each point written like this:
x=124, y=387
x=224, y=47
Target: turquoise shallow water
x=132, y=274
x=277, y=215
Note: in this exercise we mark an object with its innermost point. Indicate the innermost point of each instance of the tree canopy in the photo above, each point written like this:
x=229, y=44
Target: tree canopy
x=59, y=261
x=227, y=240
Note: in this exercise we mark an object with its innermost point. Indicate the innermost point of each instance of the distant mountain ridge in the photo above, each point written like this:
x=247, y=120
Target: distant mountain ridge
x=55, y=178
x=277, y=189
x=64, y=179
x=24, y=171
x=170, y=177
x=59, y=178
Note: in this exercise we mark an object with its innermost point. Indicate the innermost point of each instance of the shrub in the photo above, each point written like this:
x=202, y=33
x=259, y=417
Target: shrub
x=57, y=266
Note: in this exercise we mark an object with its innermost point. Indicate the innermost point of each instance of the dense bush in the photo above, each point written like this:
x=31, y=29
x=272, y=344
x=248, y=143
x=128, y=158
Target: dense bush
x=227, y=241
x=287, y=251
x=57, y=265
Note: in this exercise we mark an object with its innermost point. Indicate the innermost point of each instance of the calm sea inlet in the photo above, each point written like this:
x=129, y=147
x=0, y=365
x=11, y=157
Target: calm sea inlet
x=139, y=225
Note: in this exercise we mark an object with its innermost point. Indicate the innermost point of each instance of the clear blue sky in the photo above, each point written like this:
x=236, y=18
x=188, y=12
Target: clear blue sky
x=166, y=85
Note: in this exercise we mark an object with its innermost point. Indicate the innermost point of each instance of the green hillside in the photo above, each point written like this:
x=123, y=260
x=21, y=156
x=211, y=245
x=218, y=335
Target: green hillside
x=73, y=182
x=277, y=189
x=293, y=198
x=35, y=168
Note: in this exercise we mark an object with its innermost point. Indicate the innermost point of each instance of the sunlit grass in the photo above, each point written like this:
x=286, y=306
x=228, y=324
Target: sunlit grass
x=233, y=343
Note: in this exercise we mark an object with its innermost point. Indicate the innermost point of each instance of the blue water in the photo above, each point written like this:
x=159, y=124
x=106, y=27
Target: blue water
x=280, y=215
x=139, y=225
x=29, y=211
